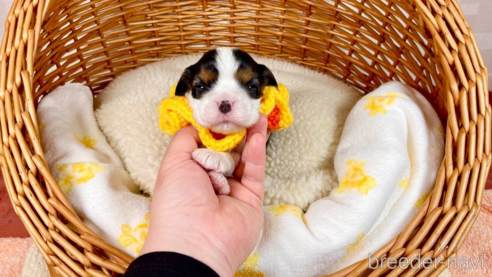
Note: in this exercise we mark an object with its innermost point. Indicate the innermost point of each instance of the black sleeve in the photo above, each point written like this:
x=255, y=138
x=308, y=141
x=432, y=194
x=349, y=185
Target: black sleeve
x=168, y=264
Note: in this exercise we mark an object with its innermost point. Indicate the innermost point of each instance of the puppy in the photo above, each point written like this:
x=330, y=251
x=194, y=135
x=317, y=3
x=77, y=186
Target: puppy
x=224, y=89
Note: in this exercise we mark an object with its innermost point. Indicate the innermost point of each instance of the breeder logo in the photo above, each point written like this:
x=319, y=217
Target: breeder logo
x=463, y=263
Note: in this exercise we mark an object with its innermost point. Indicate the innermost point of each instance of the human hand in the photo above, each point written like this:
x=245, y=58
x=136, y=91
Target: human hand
x=189, y=218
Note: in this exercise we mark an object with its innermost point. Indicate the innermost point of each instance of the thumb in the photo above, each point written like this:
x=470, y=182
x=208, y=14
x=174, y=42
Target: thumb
x=186, y=140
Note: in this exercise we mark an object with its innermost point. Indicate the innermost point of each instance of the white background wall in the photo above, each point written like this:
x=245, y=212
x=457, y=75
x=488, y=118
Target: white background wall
x=4, y=10
x=477, y=12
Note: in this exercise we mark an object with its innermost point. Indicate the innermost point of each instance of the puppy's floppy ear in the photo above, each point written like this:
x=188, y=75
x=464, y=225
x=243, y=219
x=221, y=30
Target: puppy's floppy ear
x=185, y=82
x=267, y=77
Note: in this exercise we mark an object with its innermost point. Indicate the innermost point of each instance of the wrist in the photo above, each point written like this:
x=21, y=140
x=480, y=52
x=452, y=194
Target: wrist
x=191, y=245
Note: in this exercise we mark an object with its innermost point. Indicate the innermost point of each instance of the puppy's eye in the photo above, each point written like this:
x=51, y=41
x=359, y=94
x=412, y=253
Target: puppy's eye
x=254, y=91
x=200, y=88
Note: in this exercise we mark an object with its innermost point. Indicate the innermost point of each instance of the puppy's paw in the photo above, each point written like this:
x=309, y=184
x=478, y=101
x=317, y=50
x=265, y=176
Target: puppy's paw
x=219, y=182
x=221, y=162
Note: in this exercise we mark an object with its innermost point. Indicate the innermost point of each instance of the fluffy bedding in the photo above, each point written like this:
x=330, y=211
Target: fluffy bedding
x=386, y=161
x=301, y=154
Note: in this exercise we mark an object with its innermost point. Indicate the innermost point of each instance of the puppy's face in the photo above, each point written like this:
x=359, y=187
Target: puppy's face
x=224, y=89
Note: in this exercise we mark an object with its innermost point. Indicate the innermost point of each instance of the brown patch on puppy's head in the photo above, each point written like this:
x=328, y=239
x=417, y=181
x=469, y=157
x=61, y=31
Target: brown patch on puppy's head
x=253, y=77
x=244, y=75
x=207, y=76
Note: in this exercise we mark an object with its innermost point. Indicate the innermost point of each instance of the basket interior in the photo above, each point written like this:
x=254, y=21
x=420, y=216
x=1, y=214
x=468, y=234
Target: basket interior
x=364, y=43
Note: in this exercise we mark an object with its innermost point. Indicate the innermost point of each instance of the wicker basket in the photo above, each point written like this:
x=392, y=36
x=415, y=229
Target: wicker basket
x=424, y=43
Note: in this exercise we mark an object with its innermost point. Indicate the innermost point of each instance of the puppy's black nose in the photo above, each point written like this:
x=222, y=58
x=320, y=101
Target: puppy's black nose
x=225, y=107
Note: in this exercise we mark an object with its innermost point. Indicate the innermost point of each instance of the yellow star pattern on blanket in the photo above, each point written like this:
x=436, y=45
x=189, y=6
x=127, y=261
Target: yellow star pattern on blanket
x=80, y=173
x=86, y=141
x=356, y=178
x=404, y=183
x=418, y=204
x=248, y=267
x=86, y=171
x=134, y=238
x=281, y=209
x=377, y=104
x=65, y=182
x=352, y=246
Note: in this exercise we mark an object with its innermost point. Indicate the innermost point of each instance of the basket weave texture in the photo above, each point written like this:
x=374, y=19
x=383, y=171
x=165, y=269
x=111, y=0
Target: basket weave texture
x=424, y=43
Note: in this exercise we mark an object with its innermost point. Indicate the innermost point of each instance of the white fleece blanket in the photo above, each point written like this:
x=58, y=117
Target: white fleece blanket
x=387, y=160
x=89, y=172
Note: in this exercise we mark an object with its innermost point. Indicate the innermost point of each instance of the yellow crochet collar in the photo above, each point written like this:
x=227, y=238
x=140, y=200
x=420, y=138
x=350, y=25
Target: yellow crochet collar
x=175, y=113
